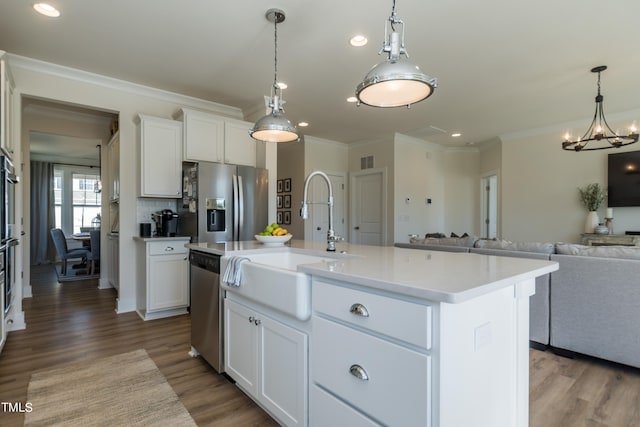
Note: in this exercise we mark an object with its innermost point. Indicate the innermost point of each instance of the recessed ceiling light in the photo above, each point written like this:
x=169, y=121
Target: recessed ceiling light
x=456, y=135
x=358, y=40
x=303, y=124
x=46, y=9
x=352, y=99
x=282, y=85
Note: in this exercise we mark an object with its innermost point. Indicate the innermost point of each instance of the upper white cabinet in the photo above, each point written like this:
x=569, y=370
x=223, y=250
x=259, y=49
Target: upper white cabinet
x=160, y=157
x=203, y=136
x=239, y=147
x=210, y=138
x=6, y=105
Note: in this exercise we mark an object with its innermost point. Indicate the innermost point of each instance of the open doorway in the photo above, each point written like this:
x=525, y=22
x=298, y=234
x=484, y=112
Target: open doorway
x=63, y=169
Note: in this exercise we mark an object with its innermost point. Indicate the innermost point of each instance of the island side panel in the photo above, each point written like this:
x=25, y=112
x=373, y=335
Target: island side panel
x=483, y=368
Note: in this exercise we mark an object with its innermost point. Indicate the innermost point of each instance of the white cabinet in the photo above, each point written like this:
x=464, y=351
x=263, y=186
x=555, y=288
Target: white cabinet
x=239, y=147
x=113, y=266
x=364, y=346
x=7, y=143
x=113, y=167
x=268, y=360
x=160, y=157
x=203, y=136
x=163, y=278
x=210, y=138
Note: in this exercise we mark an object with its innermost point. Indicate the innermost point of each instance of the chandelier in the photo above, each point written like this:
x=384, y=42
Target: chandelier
x=275, y=127
x=599, y=130
x=396, y=81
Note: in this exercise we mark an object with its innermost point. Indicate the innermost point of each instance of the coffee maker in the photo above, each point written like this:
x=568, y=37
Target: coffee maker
x=166, y=223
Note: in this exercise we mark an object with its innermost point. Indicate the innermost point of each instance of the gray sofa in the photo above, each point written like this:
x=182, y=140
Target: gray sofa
x=591, y=305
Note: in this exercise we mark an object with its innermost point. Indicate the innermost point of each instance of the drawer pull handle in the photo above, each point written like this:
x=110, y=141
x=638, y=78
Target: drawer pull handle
x=359, y=372
x=251, y=319
x=359, y=310
x=257, y=321
x=168, y=249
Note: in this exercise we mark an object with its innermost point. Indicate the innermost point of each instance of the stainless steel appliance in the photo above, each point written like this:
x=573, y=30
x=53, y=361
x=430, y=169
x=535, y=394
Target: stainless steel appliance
x=222, y=203
x=8, y=179
x=206, y=308
x=166, y=223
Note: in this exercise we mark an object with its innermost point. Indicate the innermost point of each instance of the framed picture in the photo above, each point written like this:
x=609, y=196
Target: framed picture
x=279, y=217
x=287, y=201
x=287, y=217
x=287, y=185
x=279, y=186
x=279, y=201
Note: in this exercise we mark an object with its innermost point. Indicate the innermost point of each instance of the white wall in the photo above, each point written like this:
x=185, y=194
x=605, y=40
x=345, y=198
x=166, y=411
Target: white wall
x=41, y=80
x=540, y=185
x=462, y=191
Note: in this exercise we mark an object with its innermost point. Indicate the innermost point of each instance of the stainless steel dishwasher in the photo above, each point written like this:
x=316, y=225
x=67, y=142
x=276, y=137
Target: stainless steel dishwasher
x=206, y=308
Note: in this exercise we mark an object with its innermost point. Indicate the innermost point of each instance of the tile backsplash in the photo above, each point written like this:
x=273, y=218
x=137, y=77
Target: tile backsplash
x=147, y=207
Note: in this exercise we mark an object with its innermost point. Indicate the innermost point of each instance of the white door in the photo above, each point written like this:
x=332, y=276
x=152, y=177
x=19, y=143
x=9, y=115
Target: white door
x=283, y=380
x=368, y=210
x=320, y=209
x=241, y=345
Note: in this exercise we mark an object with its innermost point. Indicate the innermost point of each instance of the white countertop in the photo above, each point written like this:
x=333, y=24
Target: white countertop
x=160, y=238
x=431, y=275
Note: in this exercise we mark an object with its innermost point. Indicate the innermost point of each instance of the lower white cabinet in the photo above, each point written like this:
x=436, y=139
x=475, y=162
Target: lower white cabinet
x=268, y=360
x=163, y=281
x=112, y=269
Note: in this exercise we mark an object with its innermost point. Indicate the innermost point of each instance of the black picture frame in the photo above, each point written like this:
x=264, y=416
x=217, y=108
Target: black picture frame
x=287, y=185
x=287, y=217
x=280, y=186
x=279, y=202
x=287, y=201
x=279, y=217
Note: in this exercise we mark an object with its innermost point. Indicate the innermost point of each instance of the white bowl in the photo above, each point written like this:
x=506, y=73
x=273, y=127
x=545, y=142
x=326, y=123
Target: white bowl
x=274, y=240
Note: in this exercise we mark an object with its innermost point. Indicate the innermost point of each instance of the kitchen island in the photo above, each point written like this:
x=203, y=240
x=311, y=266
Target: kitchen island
x=393, y=337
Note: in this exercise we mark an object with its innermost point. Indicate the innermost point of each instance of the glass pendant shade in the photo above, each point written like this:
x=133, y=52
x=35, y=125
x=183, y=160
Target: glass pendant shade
x=395, y=83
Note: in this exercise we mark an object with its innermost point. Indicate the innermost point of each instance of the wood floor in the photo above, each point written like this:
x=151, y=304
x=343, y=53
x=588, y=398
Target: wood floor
x=75, y=321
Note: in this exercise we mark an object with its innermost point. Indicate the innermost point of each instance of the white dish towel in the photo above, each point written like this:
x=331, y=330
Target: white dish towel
x=233, y=272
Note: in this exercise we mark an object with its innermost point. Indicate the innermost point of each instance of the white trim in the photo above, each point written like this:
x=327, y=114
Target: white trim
x=48, y=68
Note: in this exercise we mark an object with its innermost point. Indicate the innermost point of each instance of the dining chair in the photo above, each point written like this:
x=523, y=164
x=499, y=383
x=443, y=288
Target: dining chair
x=94, y=254
x=60, y=242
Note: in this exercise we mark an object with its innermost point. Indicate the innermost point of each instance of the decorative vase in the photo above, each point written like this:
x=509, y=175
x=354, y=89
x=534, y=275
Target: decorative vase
x=591, y=223
x=601, y=229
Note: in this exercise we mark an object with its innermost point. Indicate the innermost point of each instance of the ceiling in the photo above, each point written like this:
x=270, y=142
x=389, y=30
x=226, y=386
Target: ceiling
x=503, y=66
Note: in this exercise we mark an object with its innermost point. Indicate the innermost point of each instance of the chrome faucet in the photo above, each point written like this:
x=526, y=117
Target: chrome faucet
x=304, y=210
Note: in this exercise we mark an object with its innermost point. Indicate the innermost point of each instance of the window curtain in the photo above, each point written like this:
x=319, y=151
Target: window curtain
x=42, y=213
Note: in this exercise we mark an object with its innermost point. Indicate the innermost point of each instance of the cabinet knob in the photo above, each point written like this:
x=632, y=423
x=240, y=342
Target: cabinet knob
x=359, y=372
x=257, y=322
x=359, y=310
x=251, y=319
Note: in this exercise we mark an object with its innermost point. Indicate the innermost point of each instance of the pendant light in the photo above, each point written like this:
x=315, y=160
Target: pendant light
x=599, y=130
x=396, y=81
x=275, y=127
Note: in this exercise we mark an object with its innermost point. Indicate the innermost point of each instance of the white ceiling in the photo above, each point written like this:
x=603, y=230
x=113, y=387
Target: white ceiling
x=503, y=65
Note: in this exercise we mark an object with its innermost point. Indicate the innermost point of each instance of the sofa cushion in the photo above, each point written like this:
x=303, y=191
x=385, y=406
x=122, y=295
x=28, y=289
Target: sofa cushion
x=624, y=252
x=541, y=248
x=466, y=242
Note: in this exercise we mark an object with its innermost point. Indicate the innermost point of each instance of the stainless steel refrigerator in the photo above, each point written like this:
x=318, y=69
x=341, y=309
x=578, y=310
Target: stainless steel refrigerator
x=222, y=203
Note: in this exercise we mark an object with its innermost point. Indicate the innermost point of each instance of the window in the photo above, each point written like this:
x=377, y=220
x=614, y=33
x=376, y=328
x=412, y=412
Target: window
x=76, y=204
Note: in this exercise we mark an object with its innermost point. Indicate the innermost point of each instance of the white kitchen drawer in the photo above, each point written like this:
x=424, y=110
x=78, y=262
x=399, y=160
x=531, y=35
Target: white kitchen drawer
x=168, y=247
x=392, y=370
x=326, y=410
x=399, y=319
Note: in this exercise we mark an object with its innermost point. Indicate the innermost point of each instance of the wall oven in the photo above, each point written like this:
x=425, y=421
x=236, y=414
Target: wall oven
x=8, y=241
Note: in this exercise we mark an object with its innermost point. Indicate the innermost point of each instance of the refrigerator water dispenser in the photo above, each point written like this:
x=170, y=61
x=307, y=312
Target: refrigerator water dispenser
x=216, y=215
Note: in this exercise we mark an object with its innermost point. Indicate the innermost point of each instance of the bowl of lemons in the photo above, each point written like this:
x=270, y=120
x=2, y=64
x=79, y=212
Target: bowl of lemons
x=273, y=235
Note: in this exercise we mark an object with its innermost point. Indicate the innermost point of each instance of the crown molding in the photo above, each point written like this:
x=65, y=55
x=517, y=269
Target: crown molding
x=35, y=65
